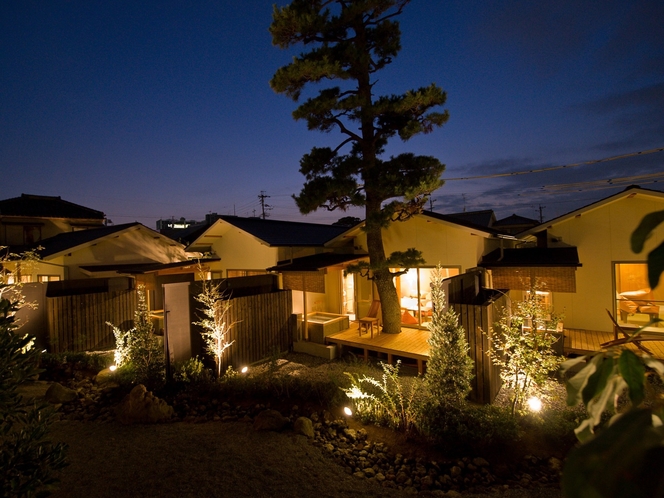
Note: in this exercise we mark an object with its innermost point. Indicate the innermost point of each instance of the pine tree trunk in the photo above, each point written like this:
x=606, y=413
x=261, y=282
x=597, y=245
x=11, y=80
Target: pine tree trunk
x=389, y=301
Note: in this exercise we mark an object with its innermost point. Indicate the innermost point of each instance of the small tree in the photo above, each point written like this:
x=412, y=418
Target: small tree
x=524, y=353
x=139, y=348
x=214, y=322
x=449, y=369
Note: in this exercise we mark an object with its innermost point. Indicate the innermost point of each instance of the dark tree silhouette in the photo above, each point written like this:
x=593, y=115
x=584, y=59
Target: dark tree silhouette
x=349, y=42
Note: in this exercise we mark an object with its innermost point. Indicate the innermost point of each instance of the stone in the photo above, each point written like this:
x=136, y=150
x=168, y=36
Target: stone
x=480, y=462
x=141, y=407
x=270, y=420
x=455, y=471
x=58, y=394
x=555, y=464
x=304, y=426
x=105, y=376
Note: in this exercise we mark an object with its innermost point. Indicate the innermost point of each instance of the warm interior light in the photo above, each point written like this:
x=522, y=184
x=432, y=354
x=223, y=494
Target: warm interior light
x=348, y=411
x=244, y=370
x=112, y=368
x=535, y=404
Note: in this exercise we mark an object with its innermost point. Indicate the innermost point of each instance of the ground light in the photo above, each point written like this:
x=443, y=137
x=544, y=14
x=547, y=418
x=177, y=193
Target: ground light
x=535, y=404
x=244, y=370
x=348, y=411
x=113, y=368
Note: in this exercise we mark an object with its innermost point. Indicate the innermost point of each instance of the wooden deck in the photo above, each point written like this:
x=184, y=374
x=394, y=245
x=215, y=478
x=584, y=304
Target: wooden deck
x=413, y=343
x=588, y=341
x=410, y=343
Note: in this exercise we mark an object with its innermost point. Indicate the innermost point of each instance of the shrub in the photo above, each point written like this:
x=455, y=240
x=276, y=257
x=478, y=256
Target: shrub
x=56, y=366
x=139, y=353
x=467, y=427
x=390, y=401
x=191, y=370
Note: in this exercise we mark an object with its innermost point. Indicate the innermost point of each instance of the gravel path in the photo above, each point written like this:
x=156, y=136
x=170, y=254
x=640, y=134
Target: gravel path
x=208, y=460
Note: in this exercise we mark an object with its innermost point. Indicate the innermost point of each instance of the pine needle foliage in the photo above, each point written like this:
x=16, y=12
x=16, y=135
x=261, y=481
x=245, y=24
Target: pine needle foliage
x=450, y=368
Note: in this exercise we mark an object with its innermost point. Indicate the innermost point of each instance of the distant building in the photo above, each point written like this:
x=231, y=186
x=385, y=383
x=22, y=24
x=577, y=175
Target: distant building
x=29, y=219
x=174, y=224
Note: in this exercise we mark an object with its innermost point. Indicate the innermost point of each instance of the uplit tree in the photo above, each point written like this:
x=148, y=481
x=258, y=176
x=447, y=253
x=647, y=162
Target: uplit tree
x=349, y=41
x=449, y=369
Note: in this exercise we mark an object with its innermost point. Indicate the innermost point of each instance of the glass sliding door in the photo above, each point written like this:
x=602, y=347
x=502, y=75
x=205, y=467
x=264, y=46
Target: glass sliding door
x=414, y=291
x=636, y=304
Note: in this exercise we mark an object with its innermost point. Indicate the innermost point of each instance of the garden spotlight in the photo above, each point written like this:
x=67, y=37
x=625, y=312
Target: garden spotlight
x=535, y=404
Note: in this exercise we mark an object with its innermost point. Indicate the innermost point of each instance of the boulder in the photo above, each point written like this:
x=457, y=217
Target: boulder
x=57, y=394
x=142, y=407
x=270, y=420
x=106, y=376
x=304, y=426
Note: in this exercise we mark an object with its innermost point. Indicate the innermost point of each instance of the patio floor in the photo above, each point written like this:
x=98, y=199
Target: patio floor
x=410, y=343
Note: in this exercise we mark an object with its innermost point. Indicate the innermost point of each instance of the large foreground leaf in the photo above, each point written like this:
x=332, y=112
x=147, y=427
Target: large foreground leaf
x=625, y=459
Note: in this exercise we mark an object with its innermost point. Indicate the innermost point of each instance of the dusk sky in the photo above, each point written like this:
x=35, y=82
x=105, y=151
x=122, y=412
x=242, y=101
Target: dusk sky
x=149, y=110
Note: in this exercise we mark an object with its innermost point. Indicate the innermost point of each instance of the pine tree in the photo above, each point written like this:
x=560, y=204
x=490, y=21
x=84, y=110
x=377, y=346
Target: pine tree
x=350, y=41
x=449, y=369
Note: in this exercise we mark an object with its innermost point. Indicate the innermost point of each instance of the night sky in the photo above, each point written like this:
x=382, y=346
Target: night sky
x=149, y=110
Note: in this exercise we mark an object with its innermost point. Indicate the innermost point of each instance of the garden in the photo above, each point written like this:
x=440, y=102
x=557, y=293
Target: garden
x=591, y=425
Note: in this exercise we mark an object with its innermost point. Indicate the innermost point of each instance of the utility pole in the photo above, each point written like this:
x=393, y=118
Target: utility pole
x=541, y=211
x=264, y=206
x=430, y=203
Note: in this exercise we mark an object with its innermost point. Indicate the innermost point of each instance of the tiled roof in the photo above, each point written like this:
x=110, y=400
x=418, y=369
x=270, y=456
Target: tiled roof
x=531, y=256
x=41, y=206
x=468, y=222
x=515, y=219
x=484, y=218
x=316, y=262
x=286, y=233
x=69, y=240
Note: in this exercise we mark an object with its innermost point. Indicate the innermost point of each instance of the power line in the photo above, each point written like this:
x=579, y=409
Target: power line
x=554, y=168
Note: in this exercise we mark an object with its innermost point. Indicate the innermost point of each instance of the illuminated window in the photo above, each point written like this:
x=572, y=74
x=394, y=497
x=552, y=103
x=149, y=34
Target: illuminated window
x=48, y=278
x=414, y=291
x=244, y=273
x=24, y=279
x=636, y=303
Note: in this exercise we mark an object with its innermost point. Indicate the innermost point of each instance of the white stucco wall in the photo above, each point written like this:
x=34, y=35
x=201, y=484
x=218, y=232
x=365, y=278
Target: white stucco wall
x=602, y=237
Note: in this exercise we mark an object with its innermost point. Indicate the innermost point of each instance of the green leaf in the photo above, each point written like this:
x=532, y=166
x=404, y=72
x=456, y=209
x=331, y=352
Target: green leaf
x=567, y=364
x=618, y=462
x=597, y=381
x=656, y=365
x=655, y=265
x=644, y=230
x=633, y=371
x=596, y=406
x=576, y=384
